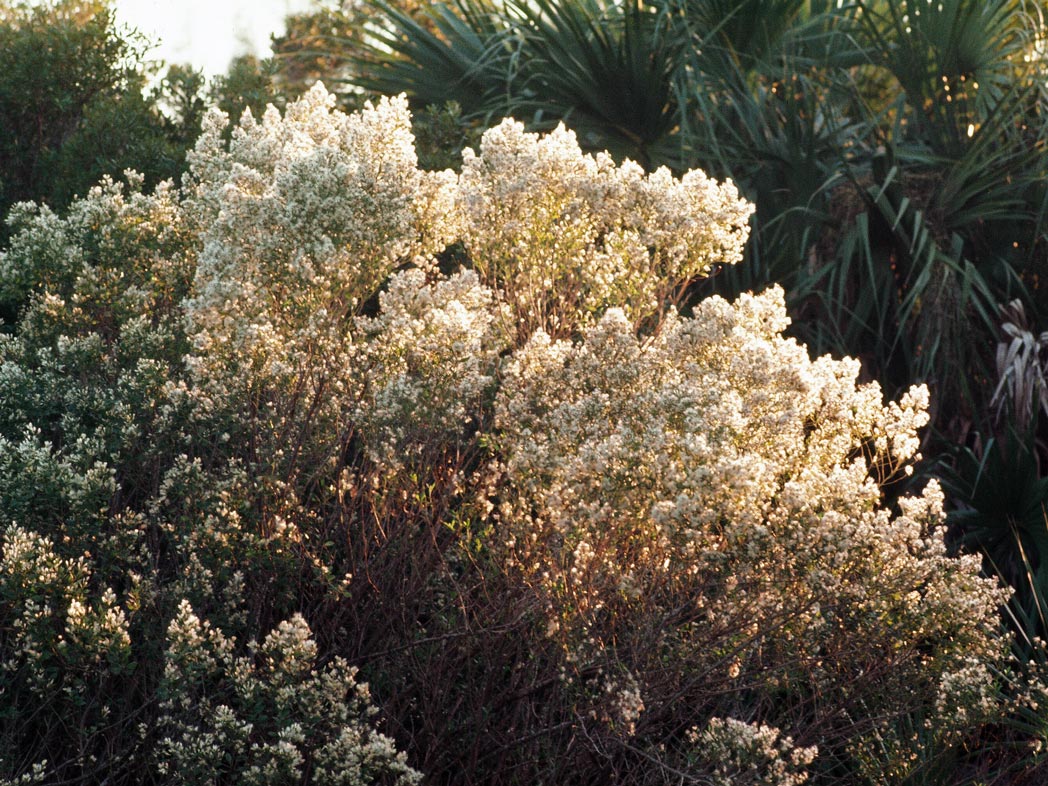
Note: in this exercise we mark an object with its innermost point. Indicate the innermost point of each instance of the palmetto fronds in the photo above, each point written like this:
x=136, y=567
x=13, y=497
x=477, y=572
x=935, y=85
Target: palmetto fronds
x=1021, y=359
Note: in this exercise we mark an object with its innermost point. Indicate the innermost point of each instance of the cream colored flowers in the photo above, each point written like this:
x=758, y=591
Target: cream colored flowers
x=713, y=464
x=319, y=408
x=565, y=236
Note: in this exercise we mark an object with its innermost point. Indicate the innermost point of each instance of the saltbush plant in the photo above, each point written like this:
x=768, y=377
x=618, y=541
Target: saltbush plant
x=318, y=416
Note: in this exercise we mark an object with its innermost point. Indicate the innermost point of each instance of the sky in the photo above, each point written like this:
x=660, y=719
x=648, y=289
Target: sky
x=208, y=33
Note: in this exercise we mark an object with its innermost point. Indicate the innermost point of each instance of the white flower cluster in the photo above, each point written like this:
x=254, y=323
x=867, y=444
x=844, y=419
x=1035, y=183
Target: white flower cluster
x=269, y=712
x=966, y=694
x=747, y=754
x=565, y=236
x=116, y=249
x=226, y=402
x=626, y=703
x=714, y=461
x=55, y=621
x=430, y=357
x=305, y=216
x=716, y=434
x=301, y=221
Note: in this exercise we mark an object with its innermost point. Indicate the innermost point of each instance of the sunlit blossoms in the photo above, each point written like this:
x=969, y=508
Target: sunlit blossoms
x=715, y=465
x=319, y=420
x=304, y=217
x=566, y=235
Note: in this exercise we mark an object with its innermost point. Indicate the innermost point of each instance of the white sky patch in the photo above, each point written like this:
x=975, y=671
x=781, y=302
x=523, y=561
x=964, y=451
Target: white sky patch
x=207, y=33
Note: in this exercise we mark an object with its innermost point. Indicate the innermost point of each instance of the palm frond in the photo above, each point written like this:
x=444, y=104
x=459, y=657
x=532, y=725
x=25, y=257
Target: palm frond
x=466, y=53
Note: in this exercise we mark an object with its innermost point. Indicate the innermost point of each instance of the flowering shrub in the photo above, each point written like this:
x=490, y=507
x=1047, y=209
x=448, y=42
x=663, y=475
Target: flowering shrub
x=124, y=483
x=707, y=492
x=430, y=355
x=66, y=652
x=305, y=217
x=274, y=716
x=318, y=411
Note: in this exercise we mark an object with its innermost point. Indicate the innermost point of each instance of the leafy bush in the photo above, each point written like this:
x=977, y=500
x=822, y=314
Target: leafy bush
x=72, y=104
x=320, y=410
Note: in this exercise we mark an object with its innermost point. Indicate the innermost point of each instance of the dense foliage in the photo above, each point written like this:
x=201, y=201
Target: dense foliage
x=72, y=106
x=894, y=148
x=895, y=151
x=79, y=100
x=319, y=416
